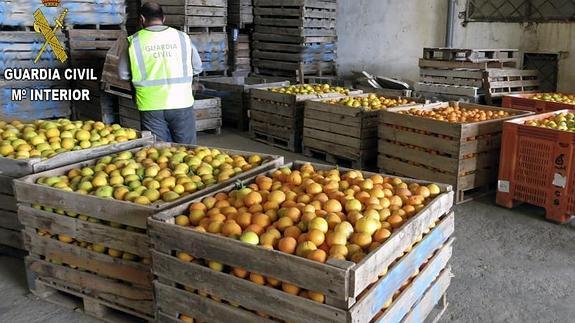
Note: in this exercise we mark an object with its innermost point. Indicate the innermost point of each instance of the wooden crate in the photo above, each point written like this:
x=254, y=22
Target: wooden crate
x=11, y=169
x=240, y=56
x=277, y=119
x=27, y=109
x=208, y=113
x=240, y=13
x=351, y=294
x=195, y=13
x=20, y=48
x=538, y=167
x=427, y=63
x=101, y=107
x=213, y=50
x=461, y=77
x=235, y=95
x=501, y=82
x=526, y=102
x=463, y=155
x=471, y=55
x=341, y=135
x=89, y=47
x=111, y=82
x=300, y=18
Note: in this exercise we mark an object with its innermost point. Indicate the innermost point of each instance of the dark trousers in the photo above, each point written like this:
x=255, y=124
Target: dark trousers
x=176, y=125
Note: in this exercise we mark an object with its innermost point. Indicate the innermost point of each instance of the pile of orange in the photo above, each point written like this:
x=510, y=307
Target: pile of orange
x=316, y=214
x=457, y=114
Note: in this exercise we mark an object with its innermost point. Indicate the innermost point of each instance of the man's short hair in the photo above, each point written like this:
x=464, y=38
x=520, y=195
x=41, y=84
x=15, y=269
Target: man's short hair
x=152, y=11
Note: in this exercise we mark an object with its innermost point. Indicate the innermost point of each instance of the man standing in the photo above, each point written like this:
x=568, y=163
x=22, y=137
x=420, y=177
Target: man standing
x=160, y=62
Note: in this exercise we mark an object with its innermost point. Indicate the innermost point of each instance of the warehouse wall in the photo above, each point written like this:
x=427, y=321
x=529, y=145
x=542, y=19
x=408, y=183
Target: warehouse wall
x=387, y=37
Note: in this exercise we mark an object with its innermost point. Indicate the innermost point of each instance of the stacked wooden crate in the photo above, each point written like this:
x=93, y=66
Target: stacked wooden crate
x=240, y=56
x=88, y=49
x=18, y=50
x=472, y=75
x=402, y=279
x=133, y=16
x=12, y=169
x=294, y=38
x=95, y=250
x=277, y=118
x=235, y=95
x=464, y=155
x=205, y=21
x=343, y=135
x=240, y=13
x=208, y=113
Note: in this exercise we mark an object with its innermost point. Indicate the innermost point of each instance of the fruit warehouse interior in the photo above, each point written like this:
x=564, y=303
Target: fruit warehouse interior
x=287, y=161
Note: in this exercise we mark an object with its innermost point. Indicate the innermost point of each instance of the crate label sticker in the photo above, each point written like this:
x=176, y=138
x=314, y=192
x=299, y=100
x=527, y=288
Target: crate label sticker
x=560, y=180
x=503, y=186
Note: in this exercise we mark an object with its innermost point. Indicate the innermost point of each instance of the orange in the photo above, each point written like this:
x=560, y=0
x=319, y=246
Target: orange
x=231, y=229
x=261, y=219
x=267, y=238
x=314, y=296
x=395, y=220
x=273, y=282
x=277, y=196
x=258, y=279
x=287, y=245
x=313, y=188
x=333, y=220
x=284, y=223
x=256, y=208
x=292, y=231
x=381, y=235
x=197, y=206
x=244, y=220
x=338, y=249
x=257, y=229
x=218, y=217
x=332, y=206
x=317, y=255
x=252, y=198
x=322, y=197
x=361, y=239
x=316, y=236
x=293, y=213
x=241, y=273
x=290, y=289
x=215, y=227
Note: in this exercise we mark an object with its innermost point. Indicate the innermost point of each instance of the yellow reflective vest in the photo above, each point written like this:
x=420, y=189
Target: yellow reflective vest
x=161, y=65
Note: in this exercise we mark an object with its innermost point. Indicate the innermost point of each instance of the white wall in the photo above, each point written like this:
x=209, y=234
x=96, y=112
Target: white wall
x=387, y=37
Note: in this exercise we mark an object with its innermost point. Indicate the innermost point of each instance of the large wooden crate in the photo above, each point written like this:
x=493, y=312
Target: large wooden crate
x=300, y=18
x=471, y=55
x=240, y=13
x=89, y=47
x=537, y=166
x=354, y=292
x=111, y=283
x=277, y=118
x=501, y=82
x=240, y=53
x=526, y=102
x=208, y=113
x=27, y=109
x=195, y=13
x=342, y=135
x=11, y=169
x=111, y=81
x=213, y=50
x=235, y=95
x=463, y=155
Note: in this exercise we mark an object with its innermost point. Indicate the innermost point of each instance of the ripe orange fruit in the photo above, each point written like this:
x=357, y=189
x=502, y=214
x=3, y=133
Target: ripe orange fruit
x=287, y=245
x=252, y=198
x=381, y=235
x=239, y=272
x=361, y=239
x=292, y=231
x=255, y=228
x=291, y=289
x=258, y=279
x=316, y=236
x=317, y=255
x=244, y=220
x=231, y=229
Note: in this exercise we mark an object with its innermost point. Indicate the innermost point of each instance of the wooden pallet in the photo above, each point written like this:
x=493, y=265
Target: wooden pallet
x=46, y=282
x=459, y=90
x=235, y=95
x=20, y=48
x=240, y=53
x=502, y=82
x=213, y=50
x=463, y=155
x=240, y=13
x=287, y=39
x=471, y=55
x=293, y=70
x=351, y=294
x=80, y=12
x=427, y=63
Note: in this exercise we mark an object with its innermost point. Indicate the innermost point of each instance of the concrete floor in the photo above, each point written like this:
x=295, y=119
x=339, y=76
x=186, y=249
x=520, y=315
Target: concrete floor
x=509, y=265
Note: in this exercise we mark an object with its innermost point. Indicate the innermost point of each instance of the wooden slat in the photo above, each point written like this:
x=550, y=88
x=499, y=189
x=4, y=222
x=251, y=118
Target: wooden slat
x=11, y=238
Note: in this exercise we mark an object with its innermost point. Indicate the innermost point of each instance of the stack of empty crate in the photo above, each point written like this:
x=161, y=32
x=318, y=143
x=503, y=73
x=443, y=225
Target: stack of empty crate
x=472, y=75
x=294, y=38
x=133, y=16
x=20, y=45
x=240, y=23
x=205, y=21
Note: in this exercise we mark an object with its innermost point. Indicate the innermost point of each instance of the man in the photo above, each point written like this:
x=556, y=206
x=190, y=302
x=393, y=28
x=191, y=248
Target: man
x=160, y=62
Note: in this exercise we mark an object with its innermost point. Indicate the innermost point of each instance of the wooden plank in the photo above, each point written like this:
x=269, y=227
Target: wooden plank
x=231, y=252
x=273, y=119
x=448, y=146
x=396, y=166
x=309, y=122
x=341, y=139
x=200, y=308
x=342, y=120
x=423, y=63
x=11, y=238
x=243, y=292
x=9, y=220
x=447, y=164
x=338, y=150
x=430, y=299
x=139, y=299
x=8, y=202
x=119, y=239
x=129, y=271
x=447, y=89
